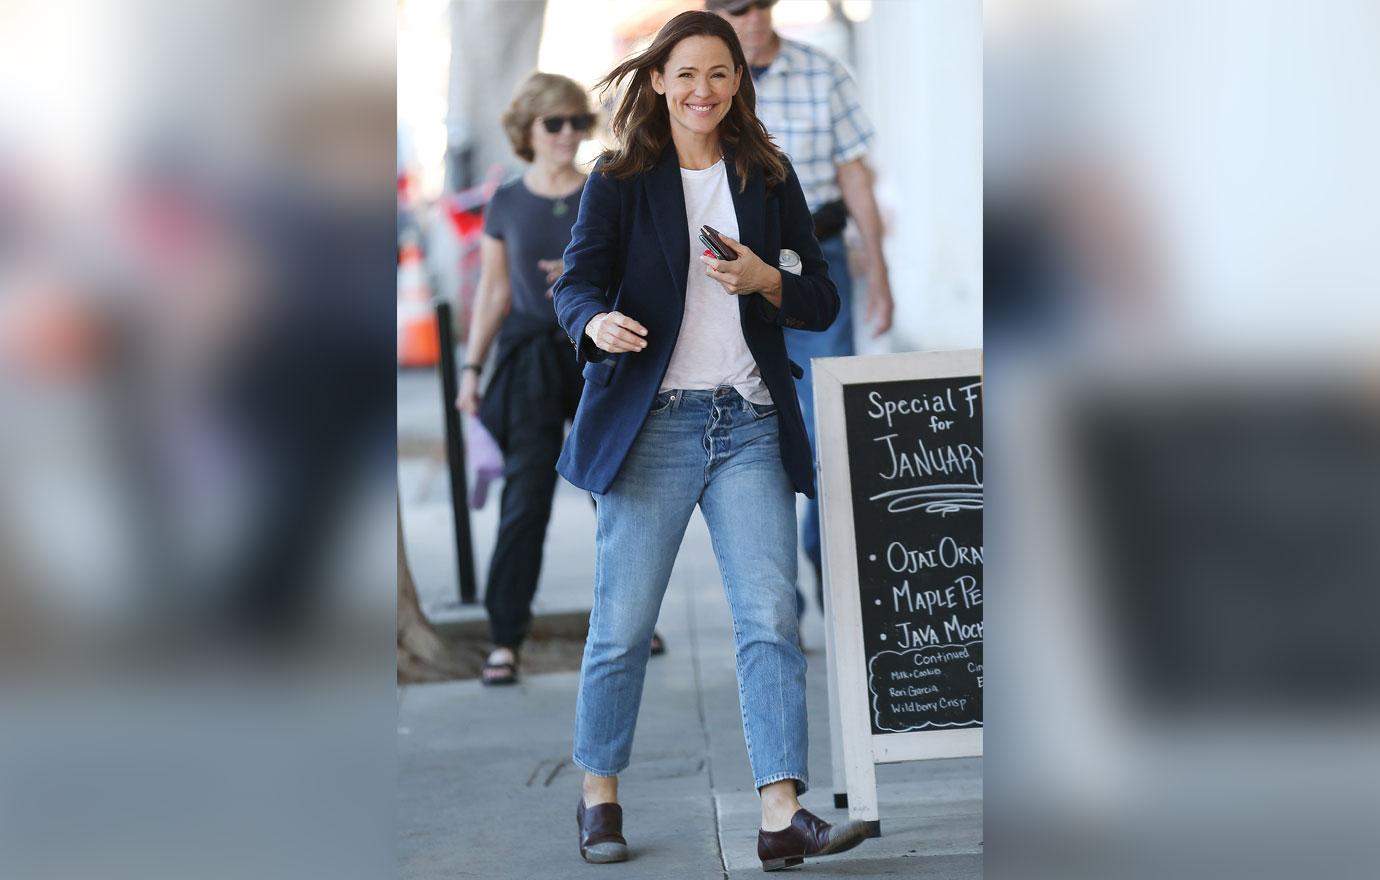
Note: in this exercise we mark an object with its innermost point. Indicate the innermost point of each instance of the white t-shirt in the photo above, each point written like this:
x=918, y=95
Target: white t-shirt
x=710, y=350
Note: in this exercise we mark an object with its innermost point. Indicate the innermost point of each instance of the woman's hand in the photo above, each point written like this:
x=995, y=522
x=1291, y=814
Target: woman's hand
x=553, y=270
x=615, y=332
x=747, y=274
x=467, y=401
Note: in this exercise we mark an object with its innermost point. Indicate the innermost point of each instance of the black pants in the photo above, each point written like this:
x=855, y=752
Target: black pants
x=529, y=482
x=529, y=405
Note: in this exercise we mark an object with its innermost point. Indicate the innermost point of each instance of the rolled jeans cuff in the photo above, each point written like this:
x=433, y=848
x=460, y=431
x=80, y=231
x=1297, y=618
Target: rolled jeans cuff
x=801, y=784
x=591, y=770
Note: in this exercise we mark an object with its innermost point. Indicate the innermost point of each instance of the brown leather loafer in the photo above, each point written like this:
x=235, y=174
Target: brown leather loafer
x=808, y=836
x=601, y=833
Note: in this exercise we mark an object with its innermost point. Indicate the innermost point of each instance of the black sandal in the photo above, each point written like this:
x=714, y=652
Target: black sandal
x=506, y=673
x=658, y=645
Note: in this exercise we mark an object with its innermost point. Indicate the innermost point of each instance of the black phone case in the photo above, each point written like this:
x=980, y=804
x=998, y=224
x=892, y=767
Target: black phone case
x=717, y=247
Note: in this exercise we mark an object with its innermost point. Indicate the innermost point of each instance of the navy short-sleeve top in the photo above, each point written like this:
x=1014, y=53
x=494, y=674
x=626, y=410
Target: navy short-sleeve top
x=533, y=228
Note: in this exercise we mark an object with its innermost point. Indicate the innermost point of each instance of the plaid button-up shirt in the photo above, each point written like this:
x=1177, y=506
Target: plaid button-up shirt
x=809, y=104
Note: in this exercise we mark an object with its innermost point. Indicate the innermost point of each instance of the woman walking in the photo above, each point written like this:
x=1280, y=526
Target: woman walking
x=688, y=401
x=535, y=385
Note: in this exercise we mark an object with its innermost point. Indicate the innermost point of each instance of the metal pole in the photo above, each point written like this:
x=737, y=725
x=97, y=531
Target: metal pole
x=455, y=454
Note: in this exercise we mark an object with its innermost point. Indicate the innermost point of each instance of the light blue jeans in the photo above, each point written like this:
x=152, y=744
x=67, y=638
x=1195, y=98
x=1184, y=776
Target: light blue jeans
x=836, y=341
x=717, y=450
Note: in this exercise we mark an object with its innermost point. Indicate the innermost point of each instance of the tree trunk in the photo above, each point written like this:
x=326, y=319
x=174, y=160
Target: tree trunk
x=422, y=654
x=494, y=46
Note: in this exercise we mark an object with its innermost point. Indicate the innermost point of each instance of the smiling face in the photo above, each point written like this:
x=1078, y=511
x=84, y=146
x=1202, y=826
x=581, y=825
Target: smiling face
x=699, y=83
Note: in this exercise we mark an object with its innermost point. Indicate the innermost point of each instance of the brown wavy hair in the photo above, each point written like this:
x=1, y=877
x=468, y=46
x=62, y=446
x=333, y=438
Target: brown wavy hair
x=642, y=124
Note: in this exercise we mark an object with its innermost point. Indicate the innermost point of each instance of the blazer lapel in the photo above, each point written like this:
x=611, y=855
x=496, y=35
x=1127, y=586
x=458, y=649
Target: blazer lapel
x=750, y=206
x=667, y=200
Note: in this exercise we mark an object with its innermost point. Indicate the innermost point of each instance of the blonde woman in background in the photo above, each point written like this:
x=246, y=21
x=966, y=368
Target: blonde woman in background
x=535, y=383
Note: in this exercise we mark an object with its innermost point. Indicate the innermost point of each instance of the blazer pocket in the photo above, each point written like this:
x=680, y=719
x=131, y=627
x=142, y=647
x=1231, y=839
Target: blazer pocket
x=599, y=372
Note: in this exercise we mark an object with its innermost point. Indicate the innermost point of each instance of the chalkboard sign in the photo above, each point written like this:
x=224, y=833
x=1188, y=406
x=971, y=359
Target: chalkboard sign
x=901, y=493
x=915, y=450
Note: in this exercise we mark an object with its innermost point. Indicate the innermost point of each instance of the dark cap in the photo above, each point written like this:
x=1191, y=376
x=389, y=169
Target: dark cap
x=733, y=6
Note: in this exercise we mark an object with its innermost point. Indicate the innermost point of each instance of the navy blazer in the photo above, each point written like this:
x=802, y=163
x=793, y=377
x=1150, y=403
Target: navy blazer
x=630, y=251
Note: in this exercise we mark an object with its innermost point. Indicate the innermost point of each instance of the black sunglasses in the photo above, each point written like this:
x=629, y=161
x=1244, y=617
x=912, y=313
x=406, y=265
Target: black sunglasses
x=578, y=121
x=760, y=4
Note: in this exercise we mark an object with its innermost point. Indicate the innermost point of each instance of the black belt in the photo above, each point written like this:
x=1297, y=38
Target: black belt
x=829, y=219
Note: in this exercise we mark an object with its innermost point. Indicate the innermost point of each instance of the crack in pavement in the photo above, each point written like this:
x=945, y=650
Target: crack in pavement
x=693, y=620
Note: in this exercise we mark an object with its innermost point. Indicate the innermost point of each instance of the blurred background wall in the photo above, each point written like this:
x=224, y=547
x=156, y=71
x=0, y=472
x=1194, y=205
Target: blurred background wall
x=919, y=66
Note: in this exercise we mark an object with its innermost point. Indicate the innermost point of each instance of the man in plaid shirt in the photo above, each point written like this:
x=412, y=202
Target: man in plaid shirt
x=809, y=104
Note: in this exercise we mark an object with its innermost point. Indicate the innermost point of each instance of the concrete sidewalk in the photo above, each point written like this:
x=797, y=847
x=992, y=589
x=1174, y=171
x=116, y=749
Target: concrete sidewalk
x=486, y=788
x=485, y=784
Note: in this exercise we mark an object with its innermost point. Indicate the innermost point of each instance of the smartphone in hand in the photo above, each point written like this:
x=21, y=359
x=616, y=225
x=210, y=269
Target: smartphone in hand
x=710, y=236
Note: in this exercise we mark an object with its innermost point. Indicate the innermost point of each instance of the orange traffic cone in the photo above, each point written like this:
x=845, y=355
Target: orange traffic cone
x=418, y=342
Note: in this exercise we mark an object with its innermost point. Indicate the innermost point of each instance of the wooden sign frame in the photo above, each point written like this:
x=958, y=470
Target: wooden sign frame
x=855, y=749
